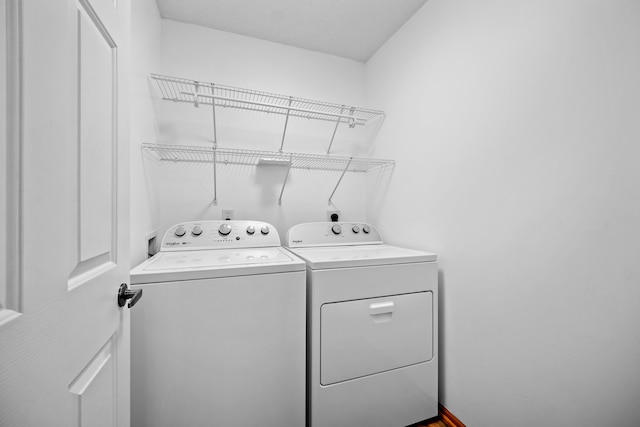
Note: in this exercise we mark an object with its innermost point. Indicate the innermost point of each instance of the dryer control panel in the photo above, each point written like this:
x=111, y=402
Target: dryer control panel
x=313, y=234
x=197, y=235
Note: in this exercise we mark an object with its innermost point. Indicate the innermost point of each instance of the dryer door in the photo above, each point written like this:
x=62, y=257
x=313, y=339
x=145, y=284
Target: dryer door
x=369, y=336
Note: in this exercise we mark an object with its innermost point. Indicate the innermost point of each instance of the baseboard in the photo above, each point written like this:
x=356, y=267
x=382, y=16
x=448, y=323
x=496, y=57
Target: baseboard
x=448, y=418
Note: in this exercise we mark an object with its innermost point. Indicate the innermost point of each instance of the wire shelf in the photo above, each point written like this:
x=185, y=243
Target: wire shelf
x=183, y=153
x=202, y=93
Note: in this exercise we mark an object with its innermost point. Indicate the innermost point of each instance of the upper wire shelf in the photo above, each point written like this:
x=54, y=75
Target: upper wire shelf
x=202, y=93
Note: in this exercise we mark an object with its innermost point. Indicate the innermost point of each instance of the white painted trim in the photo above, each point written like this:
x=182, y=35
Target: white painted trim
x=3, y=147
x=14, y=168
x=7, y=316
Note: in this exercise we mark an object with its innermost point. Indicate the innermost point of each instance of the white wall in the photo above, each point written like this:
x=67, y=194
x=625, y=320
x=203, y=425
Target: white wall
x=516, y=130
x=184, y=191
x=145, y=57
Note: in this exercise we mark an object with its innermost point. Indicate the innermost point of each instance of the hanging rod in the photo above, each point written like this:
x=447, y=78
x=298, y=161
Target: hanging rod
x=202, y=93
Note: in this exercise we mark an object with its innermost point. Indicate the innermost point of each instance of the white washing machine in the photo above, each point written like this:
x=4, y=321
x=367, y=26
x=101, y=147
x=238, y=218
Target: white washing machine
x=372, y=327
x=219, y=338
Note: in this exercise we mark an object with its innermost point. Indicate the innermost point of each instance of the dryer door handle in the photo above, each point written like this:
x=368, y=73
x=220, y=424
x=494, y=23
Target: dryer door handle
x=381, y=308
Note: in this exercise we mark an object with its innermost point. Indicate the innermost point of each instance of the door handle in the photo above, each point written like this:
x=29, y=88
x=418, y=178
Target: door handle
x=381, y=308
x=124, y=293
x=381, y=312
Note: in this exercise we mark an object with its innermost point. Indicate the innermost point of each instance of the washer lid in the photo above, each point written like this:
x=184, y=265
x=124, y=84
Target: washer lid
x=205, y=264
x=359, y=256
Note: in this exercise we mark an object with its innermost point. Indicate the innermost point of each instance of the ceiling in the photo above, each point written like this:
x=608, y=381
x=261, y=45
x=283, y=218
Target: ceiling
x=352, y=29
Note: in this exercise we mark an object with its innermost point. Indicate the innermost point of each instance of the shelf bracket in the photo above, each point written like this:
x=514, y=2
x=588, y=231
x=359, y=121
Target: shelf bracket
x=285, y=179
x=340, y=180
x=215, y=178
x=335, y=130
x=352, y=122
x=286, y=121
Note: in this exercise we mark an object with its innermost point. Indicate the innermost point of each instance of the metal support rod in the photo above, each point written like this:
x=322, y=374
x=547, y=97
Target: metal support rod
x=215, y=146
x=215, y=134
x=351, y=119
x=285, y=178
x=334, y=131
x=340, y=180
x=284, y=132
x=215, y=178
x=196, y=100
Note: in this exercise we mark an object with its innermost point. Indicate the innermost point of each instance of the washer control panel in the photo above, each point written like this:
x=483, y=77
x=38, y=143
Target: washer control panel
x=197, y=235
x=332, y=234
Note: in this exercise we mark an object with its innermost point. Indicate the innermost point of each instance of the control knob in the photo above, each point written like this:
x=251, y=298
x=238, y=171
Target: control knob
x=366, y=229
x=355, y=229
x=264, y=230
x=180, y=231
x=336, y=229
x=251, y=229
x=196, y=231
x=224, y=229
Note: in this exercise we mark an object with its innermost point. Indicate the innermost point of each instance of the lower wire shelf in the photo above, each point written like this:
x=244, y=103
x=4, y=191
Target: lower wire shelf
x=184, y=153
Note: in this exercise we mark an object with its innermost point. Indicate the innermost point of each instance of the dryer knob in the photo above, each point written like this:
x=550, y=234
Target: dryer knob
x=224, y=229
x=355, y=229
x=251, y=229
x=196, y=231
x=336, y=229
x=264, y=230
x=366, y=229
x=180, y=231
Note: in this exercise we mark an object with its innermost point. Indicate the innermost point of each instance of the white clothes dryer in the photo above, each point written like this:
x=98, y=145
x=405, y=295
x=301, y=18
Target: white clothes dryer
x=219, y=339
x=372, y=327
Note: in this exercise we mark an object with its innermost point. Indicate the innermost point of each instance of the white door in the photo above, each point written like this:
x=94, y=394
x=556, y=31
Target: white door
x=64, y=341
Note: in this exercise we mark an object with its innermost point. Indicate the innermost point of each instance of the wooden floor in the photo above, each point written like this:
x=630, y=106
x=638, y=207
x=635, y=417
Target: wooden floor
x=431, y=423
x=444, y=419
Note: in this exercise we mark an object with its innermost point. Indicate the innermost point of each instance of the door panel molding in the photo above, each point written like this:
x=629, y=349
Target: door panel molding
x=89, y=269
x=97, y=125
x=96, y=380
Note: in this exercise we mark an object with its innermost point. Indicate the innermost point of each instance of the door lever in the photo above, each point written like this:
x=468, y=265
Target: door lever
x=124, y=293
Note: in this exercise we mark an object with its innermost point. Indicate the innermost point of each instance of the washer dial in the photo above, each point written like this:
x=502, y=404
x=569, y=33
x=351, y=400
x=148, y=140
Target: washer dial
x=224, y=229
x=180, y=231
x=337, y=229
